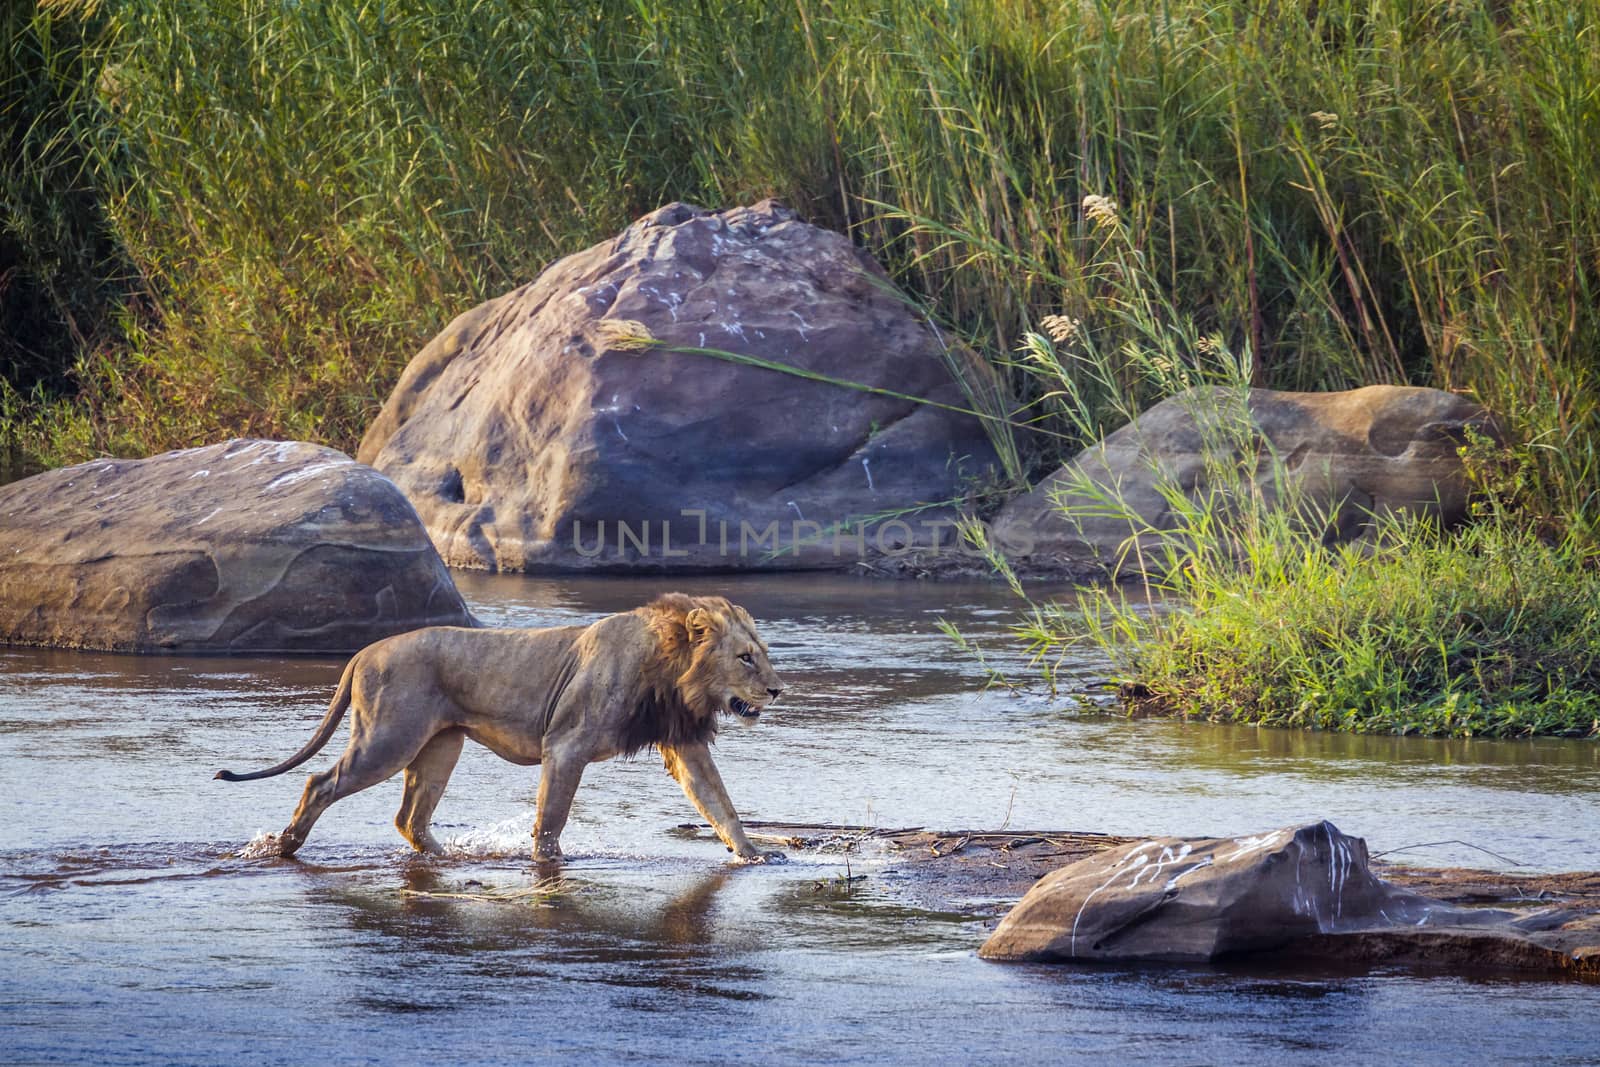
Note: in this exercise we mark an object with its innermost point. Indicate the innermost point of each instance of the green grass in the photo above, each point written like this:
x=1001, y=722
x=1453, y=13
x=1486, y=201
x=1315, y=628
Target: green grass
x=264, y=209
x=1245, y=614
x=1492, y=634
x=60, y=263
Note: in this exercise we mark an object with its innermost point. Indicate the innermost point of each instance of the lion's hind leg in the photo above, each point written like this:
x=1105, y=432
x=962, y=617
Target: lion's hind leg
x=426, y=778
x=375, y=754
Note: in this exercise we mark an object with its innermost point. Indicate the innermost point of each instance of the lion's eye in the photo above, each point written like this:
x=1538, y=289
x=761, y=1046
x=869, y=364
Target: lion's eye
x=747, y=659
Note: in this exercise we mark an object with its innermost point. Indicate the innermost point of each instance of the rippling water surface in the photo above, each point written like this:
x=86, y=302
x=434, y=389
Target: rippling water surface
x=132, y=930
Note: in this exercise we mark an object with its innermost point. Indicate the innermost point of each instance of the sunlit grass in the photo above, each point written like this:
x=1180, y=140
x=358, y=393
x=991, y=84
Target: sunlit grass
x=302, y=194
x=1243, y=612
x=1493, y=633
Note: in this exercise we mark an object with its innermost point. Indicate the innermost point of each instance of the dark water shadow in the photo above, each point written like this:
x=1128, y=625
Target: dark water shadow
x=489, y=925
x=1552, y=765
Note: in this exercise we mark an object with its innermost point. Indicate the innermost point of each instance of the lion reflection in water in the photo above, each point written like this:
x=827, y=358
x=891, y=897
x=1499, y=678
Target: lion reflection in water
x=562, y=698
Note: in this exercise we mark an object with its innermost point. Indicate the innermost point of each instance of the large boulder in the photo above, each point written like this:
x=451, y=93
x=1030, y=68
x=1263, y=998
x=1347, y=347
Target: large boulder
x=1340, y=458
x=1302, y=891
x=247, y=546
x=533, y=435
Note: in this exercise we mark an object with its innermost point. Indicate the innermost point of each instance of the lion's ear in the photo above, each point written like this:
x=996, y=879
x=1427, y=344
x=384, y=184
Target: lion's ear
x=700, y=623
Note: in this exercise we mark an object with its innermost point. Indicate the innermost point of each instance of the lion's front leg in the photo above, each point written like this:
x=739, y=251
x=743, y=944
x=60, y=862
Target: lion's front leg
x=691, y=765
x=559, y=775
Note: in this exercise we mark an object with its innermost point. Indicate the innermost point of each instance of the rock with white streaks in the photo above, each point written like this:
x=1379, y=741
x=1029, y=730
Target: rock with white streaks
x=243, y=547
x=1299, y=892
x=531, y=435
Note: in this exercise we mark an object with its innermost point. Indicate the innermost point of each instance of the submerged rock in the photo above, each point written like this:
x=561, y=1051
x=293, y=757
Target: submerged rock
x=1339, y=458
x=247, y=546
x=1305, y=892
x=531, y=434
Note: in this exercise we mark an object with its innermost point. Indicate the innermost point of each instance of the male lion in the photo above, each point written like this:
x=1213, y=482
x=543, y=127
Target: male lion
x=563, y=698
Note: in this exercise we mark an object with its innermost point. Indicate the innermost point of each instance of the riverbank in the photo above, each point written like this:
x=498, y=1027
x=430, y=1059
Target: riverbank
x=1492, y=631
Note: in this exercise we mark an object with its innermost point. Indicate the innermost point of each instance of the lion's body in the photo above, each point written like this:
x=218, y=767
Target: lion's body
x=561, y=698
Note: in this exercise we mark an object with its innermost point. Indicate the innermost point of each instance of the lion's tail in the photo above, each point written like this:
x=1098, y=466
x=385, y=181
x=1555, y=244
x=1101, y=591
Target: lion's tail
x=330, y=723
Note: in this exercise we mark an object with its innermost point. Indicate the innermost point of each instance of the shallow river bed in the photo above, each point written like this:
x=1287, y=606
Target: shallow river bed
x=133, y=931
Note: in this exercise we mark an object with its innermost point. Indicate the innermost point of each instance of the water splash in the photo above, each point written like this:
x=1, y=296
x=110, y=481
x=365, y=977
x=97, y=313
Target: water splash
x=509, y=837
x=262, y=845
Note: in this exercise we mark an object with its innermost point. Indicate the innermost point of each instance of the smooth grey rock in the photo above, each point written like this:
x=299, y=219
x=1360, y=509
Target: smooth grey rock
x=529, y=438
x=1346, y=455
x=245, y=546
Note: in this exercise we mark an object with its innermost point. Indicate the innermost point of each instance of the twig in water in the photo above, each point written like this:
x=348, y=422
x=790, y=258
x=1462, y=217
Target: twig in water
x=1453, y=841
x=1020, y=842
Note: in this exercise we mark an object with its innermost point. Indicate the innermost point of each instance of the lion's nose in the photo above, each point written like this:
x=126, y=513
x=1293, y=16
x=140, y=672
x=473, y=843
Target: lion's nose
x=773, y=693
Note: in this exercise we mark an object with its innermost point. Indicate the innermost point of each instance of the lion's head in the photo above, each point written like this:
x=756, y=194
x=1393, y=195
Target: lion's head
x=717, y=661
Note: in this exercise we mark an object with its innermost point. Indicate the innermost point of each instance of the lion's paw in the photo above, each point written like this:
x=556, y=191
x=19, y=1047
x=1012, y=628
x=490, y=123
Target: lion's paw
x=260, y=847
x=765, y=857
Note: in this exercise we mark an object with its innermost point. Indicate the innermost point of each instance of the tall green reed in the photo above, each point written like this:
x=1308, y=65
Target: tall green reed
x=61, y=275
x=1346, y=194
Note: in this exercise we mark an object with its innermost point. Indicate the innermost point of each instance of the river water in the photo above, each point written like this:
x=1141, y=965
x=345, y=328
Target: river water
x=133, y=931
